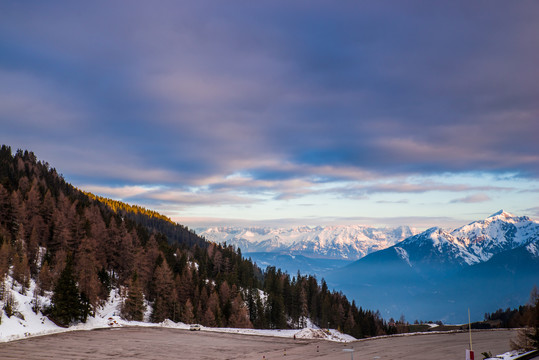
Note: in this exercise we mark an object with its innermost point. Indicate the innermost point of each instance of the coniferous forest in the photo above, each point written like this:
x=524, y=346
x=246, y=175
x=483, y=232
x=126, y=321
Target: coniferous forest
x=77, y=247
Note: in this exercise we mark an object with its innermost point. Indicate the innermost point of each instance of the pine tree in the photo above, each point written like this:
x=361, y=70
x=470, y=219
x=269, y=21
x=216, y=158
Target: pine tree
x=36, y=303
x=66, y=301
x=304, y=309
x=3, y=288
x=10, y=304
x=349, y=323
x=33, y=249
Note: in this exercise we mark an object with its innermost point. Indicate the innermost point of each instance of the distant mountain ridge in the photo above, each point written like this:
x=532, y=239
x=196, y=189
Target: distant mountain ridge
x=484, y=265
x=347, y=242
x=471, y=244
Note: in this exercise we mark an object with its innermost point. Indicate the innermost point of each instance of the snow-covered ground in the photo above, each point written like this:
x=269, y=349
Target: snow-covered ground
x=507, y=356
x=26, y=323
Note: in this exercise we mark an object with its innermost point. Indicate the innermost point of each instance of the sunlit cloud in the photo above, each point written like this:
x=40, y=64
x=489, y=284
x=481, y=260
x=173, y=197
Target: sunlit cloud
x=199, y=198
x=403, y=201
x=475, y=198
x=121, y=192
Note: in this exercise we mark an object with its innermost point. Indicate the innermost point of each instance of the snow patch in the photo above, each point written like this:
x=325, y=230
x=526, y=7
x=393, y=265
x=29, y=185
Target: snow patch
x=26, y=323
x=532, y=249
x=403, y=254
x=508, y=355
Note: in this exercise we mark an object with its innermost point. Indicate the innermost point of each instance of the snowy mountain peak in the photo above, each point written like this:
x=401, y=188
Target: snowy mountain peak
x=477, y=241
x=349, y=242
x=501, y=214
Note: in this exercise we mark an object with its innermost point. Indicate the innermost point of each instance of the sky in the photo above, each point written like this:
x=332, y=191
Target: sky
x=281, y=113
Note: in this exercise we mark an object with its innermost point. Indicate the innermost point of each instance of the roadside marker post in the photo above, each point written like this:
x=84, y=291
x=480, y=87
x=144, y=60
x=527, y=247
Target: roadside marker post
x=351, y=351
x=469, y=353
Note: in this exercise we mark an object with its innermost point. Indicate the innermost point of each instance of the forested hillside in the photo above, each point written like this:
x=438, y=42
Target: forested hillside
x=77, y=246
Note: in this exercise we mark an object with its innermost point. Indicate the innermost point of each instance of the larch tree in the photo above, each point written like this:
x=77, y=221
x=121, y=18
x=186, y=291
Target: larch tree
x=17, y=211
x=45, y=278
x=240, y=314
x=5, y=206
x=59, y=264
x=98, y=231
x=146, y=260
x=86, y=266
x=5, y=253
x=133, y=307
x=187, y=315
x=21, y=271
x=165, y=296
x=209, y=318
x=47, y=207
x=61, y=234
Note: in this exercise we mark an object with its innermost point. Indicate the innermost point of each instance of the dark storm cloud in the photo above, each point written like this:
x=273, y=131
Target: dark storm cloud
x=197, y=92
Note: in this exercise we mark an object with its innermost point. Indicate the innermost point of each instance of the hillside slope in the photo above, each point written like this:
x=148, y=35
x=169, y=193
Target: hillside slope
x=77, y=247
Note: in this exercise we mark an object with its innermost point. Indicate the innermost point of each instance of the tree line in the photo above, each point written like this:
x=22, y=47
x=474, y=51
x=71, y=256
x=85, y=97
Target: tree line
x=77, y=247
x=525, y=317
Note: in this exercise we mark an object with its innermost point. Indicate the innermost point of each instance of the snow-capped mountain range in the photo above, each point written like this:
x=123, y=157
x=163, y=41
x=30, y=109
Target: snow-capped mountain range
x=438, y=274
x=473, y=243
x=330, y=242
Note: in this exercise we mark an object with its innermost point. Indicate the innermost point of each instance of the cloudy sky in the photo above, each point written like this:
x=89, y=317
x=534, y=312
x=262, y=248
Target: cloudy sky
x=281, y=112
